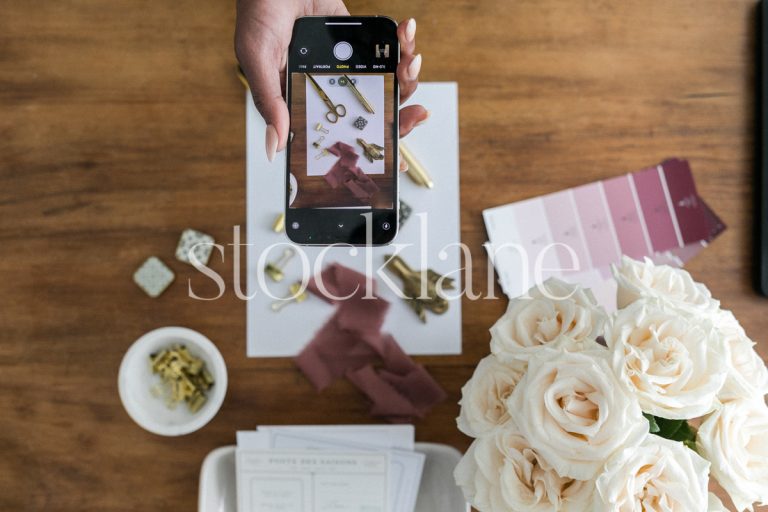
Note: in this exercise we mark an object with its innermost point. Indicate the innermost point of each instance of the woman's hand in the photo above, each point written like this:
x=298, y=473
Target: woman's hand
x=262, y=35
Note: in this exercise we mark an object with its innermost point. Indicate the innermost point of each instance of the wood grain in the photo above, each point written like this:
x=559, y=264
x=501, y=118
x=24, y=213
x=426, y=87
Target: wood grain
x=122, y=123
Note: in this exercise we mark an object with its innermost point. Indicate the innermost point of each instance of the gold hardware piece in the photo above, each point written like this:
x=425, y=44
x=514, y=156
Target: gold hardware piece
x=372, y=151
x=420, y=287
x=242, y=78
x=279, y=225
x=297, y=295
x=319, y=128
x=184, y=376
x=275, y=269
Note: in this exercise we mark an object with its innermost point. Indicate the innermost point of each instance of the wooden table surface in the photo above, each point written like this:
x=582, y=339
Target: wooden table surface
x=122, y=123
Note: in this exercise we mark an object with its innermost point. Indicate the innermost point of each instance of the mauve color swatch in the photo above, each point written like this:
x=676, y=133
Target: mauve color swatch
x=596, y=224
x=655, y=209
x=685, y=200
x=626, y=217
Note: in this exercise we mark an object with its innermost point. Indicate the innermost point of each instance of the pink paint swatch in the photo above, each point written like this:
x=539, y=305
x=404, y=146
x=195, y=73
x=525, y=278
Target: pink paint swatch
x=656, y=209
x=562, y=218
x=596, y=223
x=626, y=217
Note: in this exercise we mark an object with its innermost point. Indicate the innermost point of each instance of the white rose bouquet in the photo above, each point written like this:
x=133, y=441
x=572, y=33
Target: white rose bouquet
x=576, y=410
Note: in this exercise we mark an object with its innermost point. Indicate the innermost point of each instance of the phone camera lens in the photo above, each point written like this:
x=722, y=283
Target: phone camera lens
x=303, y=50
x=385, y=226
x=295, y=225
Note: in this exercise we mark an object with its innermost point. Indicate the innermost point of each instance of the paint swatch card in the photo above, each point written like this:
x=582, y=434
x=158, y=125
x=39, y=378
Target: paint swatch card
x=577, y=234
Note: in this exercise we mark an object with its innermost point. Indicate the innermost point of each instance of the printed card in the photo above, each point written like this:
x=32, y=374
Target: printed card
x=311, y=481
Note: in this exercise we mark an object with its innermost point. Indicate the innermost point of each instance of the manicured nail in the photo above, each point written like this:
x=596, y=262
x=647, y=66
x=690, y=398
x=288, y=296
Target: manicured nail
x=414, y=67
x=410, y=30
x=423, y=120
x=403, y=164
x=271, y=142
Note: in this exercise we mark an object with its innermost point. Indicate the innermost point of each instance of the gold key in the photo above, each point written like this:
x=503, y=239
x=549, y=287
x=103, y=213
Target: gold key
x=297, y=295
x=420, y=287
x=275, y=269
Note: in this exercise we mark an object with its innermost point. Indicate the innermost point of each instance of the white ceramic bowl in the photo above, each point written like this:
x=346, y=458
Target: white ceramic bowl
x=136, y=380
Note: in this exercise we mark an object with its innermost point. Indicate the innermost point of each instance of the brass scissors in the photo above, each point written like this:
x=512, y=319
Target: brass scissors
x=334, y=111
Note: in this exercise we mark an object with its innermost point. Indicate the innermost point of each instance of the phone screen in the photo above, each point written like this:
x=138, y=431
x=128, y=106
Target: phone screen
x=342, y=158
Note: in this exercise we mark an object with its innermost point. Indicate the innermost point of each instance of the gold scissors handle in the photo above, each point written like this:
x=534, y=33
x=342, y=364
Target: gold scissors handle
x=334, y=111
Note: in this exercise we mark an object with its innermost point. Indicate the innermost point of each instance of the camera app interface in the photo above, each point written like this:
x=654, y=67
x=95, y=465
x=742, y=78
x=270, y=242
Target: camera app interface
x=343, y=122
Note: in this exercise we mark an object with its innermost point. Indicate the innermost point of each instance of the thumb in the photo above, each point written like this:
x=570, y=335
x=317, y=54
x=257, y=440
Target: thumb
x=263, y=73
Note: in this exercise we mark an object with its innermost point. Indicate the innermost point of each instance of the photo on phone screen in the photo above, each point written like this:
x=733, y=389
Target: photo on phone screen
x=342, y=158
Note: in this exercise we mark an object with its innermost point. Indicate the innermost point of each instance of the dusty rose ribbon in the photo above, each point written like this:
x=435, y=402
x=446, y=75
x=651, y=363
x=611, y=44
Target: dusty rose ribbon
x=351, y=341
x=346, y=172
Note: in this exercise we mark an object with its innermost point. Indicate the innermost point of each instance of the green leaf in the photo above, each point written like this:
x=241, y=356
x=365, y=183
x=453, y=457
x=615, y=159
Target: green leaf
x=675, y=430
x=652, y=422
x=669, y=428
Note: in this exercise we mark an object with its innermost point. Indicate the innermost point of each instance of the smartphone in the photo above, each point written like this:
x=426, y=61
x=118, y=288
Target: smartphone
x=342, y=157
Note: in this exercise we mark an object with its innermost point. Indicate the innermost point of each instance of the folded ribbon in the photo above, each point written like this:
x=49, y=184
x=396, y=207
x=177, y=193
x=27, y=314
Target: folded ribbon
x=351, y=341
x=346, y=172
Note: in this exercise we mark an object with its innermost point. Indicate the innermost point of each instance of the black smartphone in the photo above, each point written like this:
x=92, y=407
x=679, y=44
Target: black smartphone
x=342, y=158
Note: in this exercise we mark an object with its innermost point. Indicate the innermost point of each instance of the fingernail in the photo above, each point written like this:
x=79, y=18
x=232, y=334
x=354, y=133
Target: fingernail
x=410, y=30
x=403, y=164
x=271, y=142
x=414, y=67
x=423, y=120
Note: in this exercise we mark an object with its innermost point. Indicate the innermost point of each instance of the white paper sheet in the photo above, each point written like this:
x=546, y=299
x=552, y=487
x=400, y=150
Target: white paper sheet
x=436, y=145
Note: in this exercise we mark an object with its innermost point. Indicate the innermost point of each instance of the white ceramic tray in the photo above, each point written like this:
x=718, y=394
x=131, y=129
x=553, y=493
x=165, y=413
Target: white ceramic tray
x=438, y=491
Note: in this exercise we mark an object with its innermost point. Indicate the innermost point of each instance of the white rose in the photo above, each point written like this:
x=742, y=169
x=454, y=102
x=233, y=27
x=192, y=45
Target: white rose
x=644, y=279
x=733, y=439
x=575, y=412
x=747, y=373
x=659, y=475
x=674, y=363
x=715, y=505
x=502, y=473
x=484, y=397
x=557, y=314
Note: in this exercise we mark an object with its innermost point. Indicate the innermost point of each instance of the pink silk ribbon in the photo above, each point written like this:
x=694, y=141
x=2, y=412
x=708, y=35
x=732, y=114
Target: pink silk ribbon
x=346, y=172
x=351, y=342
